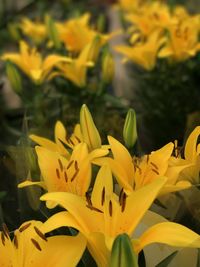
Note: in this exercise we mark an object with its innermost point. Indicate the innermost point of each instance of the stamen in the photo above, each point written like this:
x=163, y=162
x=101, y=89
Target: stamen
x=76, y=165
x=110, y=208
x=123, y=202
x=74, y=176
x=88, y=198
x=36, y=244
x=154, y=165
x=147, y=158
x=60, y=164
x=5, y=230
x=70, y=164
x=58, y=173
x=71, y=142
x=24, y=227
x=103, y=196
x=65, y=175
x=40, y=234
x=15, y=241
x=120, y=196
x=155, y=171
x=79, y=141
x=3, y=238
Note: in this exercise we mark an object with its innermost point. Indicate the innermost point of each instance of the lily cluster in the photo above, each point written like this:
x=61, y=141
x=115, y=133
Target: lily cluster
x=104, y=205
x=159, y=31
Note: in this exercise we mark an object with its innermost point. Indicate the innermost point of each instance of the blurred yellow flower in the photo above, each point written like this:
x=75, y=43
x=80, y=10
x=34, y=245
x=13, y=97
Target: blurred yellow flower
x=30, y=61
x=30, y=247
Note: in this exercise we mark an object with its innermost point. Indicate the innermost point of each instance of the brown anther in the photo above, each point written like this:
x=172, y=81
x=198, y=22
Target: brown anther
x=76, y=165
x=78, y=140
x=24, y=227
x=72, y=142
x=120, y=196
x=60, y=164
x=74, y=176
x=110, y=208
x=40, y=234
x=124, y=196
x=36, y=244
x=58, y=173
x=147, y=158
x=65, y=176
x=154, y=165
x=155, y=171
x=70, y=164
x=88, y=198
x=3, y=238
x=5, y=230
x=103, y=196
x=15, y=241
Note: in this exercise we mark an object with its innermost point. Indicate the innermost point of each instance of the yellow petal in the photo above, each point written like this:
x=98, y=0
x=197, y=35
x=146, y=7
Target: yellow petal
x=29, y=183
x=191, y=145
x=169, y=233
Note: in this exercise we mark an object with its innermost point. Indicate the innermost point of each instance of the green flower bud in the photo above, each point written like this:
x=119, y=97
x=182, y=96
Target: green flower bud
x=14, y=77
x=130, y=129
x=89, y=131
x=122, y=254
x=52, y=31
x=108, y=67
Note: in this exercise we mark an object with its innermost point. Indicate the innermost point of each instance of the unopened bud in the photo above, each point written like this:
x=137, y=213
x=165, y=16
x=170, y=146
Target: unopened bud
x=130, y=129
x=90, y=133
x=122, y=254
x=108, y=67
x=14, y=77
x=52, y=31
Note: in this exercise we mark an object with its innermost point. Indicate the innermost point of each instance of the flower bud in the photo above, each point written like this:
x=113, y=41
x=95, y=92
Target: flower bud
x=52, y=31
x=108, y=67
x=14, y=77
x=89, y=131
x=122, y=254
x=94, y=49
x=130, y=129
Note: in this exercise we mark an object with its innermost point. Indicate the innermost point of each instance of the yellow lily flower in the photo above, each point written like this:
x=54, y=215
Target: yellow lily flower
x=76, y=33
x=183, y=40
x=32, y=64
x=34, y=30
x=104, y=215
x=144, y=54
x=76, y=70
x=134, y=173
x=61, y=139
x=30, y=247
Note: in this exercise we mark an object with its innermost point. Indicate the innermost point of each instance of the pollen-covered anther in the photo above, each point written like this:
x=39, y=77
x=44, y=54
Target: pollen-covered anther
x=147, y=158
x=124, y=196
x=40, y=234
x=70, y=164
x=70, y=141
x=78, y=140
x=60, y=164
x=24, y=227
x=3, y=238
x=74, y=175
x=58, y=173
x=156, y=171
x=15, y=241
x=5, y=230
x=36, y=244
x=110, y=208
x=103, y=196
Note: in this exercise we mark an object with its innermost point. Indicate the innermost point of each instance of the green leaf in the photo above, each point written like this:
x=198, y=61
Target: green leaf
x=167, y=260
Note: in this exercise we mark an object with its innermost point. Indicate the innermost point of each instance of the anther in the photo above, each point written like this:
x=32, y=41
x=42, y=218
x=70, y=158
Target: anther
x=65, y=176
x=103, y=196
x=40, y=234
x=3, y=238
x=147, y=158
x=58, y=173
x=60, y=164
x=74, y=176
x=110, y=208
x=36, y=244
x=124, y=196
x=5, y=230
x=120, y=196
x=76, y=165
x=155, y=171
x=154, y=165
x=70, y=164
x=71, y=142
x=15, y=241
x=79, y=141
x=24, y=227
x=88, y=198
